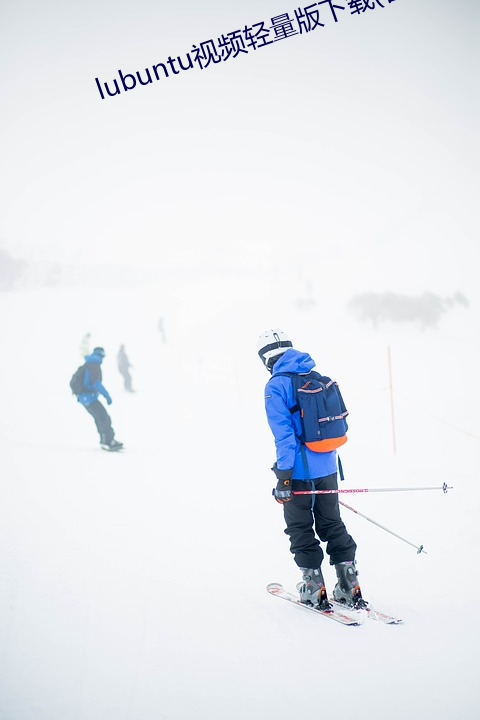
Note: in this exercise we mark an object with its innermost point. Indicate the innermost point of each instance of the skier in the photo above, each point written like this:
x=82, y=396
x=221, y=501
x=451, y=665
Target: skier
x=88, y=397
x=123, y=364
x=161, y=329
x=308, y=518
x=85, y=345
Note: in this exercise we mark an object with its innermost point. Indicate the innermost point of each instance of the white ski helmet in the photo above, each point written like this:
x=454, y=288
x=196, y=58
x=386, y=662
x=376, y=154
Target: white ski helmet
x=271, y=344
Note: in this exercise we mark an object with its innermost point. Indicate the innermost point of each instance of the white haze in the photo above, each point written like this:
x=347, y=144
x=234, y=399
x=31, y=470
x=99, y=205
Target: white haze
x=356, y=142
x=133, y=585
x=264, y=191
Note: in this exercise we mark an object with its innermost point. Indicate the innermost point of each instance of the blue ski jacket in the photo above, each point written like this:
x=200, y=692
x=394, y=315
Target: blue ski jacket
x=285, y=426
x=93, y=381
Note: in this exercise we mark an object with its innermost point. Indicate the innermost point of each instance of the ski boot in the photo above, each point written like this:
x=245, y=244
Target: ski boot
x=312, y=589
x=347, y=590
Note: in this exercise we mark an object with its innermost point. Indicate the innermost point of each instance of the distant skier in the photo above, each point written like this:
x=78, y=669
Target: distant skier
x=300, y=468
x=161, y=329
x=85, y=345
x=124, y=366
x=87, y=385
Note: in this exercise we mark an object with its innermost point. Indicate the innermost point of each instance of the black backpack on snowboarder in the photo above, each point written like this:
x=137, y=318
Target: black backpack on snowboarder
x=77, y=382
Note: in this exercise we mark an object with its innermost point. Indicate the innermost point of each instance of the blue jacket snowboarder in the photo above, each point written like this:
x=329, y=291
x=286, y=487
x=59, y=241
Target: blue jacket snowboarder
x=88, y=397
x=309, y=518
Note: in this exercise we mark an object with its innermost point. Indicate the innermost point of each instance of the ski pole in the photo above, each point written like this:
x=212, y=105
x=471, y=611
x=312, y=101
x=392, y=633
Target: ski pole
x=443, y=487
x=419, y=548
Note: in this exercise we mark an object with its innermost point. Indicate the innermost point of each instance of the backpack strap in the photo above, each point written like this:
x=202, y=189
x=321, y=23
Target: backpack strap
x=293, y=377
x=304, y=458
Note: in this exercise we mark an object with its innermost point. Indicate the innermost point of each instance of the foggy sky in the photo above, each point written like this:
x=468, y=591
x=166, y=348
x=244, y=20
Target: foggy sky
x=355, y=141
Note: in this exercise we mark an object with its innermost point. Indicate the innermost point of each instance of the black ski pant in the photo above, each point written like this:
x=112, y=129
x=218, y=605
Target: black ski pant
x=310, y=517
x=102, y=421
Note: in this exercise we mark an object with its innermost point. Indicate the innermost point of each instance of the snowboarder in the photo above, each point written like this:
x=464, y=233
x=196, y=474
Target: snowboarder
x=123, y=364
x=308, y=518
x=88, y=397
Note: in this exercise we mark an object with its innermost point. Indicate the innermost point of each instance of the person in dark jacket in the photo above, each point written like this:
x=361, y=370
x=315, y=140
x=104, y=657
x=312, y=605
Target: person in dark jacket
x=309, y=518
x=124, y=366
x=92, y=388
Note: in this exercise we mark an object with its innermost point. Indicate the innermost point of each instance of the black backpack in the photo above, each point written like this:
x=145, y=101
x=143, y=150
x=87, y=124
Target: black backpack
x=77, y=382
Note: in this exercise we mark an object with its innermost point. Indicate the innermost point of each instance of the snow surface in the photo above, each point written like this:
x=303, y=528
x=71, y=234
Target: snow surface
x=133, y=584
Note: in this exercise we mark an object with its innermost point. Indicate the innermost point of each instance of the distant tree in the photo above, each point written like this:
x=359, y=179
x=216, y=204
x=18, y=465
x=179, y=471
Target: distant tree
x=10, y=270
x=460, y=299
x=427, y=309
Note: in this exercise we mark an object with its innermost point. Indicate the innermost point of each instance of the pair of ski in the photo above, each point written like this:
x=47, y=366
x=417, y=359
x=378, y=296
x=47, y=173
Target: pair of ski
x=339, y=613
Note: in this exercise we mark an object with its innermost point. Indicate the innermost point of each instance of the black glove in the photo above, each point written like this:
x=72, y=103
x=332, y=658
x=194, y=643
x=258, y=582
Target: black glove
x=283, y=492
x=282, y=474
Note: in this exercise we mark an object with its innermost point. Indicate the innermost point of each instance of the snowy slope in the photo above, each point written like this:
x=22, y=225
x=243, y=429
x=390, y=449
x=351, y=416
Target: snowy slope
x=116, y=569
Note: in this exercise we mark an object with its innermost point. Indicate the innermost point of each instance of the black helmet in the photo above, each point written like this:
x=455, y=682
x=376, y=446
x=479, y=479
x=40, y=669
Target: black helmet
x=99, y=351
